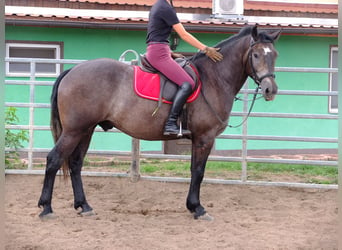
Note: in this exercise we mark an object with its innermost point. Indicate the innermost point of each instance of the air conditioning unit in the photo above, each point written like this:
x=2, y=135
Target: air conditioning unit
x=228, y=7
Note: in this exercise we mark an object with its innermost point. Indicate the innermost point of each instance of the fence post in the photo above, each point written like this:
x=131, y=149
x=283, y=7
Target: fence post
x=31, y=115
x=244, y=135
x=135, y=164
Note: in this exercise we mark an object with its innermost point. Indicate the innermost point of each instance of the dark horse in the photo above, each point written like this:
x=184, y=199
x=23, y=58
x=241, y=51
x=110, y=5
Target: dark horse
x=100, y=92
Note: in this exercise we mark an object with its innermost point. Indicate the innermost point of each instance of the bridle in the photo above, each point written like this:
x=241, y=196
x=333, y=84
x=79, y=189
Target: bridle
x=254, y=74
x=256, y=79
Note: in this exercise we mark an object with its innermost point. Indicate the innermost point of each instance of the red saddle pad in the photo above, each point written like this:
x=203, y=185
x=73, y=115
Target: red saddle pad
x=147, y=85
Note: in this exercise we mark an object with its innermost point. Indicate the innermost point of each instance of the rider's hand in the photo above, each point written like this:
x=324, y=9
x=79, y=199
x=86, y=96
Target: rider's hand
x=213, y=53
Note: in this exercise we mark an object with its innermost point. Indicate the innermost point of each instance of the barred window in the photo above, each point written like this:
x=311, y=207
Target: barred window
x=33, y=50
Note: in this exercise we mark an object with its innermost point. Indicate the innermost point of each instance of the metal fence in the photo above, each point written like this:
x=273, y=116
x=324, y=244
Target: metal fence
x=32, y=82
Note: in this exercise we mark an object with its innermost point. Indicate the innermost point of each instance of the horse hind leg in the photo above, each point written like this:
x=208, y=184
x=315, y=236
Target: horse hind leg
x=56, y=157
x=54, y=162
x=75, y=164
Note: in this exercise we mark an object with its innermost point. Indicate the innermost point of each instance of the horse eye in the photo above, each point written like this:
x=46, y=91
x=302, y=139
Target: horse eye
x=256, y=56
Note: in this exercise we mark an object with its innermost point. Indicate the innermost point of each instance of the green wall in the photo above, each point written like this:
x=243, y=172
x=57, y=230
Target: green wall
x=294, y=51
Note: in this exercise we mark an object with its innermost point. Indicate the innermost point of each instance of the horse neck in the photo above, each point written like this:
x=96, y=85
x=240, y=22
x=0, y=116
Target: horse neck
x=236, y=59
x=223, y=80
x=229, y=75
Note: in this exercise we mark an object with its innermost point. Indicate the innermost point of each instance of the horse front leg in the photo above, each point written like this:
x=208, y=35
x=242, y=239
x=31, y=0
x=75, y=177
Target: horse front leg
x=200, y=152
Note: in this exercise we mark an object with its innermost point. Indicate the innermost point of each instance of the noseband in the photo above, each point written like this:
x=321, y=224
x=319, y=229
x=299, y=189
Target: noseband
x=254, y=74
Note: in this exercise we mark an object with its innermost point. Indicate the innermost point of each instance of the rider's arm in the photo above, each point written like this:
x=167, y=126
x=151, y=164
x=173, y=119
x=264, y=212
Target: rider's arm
x=187, y=37
x=212, y=53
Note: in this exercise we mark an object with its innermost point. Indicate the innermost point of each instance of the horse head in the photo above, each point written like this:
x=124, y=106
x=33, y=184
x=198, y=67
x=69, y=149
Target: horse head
x=260, y=61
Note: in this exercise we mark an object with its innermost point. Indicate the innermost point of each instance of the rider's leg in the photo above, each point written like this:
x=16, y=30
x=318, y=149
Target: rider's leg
x=159, y=55
x=182, y=95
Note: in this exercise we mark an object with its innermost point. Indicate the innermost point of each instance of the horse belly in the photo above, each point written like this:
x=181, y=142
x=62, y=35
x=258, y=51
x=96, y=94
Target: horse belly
x=137, y=121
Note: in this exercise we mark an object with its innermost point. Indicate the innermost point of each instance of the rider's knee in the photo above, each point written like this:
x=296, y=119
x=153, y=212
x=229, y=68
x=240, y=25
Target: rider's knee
x=188, y=86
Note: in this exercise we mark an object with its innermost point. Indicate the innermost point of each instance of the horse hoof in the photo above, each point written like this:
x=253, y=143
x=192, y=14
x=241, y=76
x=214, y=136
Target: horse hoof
x=205, y=217
x=49, y=216
x=87, y=213
x=135, y=178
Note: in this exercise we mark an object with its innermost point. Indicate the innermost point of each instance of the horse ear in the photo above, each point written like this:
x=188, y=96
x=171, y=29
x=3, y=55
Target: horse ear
x=255, y=33
x=275, y=35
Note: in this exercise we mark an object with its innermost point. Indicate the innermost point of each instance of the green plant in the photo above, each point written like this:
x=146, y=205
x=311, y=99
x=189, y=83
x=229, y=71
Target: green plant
x=149, y=169
x=13, y=140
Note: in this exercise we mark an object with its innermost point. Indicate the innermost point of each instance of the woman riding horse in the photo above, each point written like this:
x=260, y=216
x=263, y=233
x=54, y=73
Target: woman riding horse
x=78, y=106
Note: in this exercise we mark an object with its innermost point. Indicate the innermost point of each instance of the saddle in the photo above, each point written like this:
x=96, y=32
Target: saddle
x=151, y=84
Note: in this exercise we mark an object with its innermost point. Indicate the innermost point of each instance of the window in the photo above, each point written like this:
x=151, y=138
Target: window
x=33, y=50
x=333, y=81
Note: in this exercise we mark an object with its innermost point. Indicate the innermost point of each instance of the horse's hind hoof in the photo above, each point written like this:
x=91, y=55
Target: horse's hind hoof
x=49, y=216
x=87, y=213
x=135, y=177
x=205, y=217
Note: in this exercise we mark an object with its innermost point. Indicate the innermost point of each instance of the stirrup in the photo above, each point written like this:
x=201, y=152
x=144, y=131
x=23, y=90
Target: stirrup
x=182, y=132
x=179, y=133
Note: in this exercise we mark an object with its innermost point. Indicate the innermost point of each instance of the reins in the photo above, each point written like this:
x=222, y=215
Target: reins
x=225, y=123
x=250, y=108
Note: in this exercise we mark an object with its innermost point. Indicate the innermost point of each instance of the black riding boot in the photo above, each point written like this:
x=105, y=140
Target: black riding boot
x=182, y=95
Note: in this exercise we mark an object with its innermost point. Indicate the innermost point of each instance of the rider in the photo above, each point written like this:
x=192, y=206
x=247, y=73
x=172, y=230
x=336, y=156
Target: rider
x=162, y=19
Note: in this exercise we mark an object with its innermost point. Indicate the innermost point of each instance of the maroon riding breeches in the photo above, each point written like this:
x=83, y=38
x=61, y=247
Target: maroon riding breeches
x=159, y=56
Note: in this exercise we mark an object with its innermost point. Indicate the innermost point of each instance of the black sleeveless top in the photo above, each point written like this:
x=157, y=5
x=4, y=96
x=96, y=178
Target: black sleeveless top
x=161, y=19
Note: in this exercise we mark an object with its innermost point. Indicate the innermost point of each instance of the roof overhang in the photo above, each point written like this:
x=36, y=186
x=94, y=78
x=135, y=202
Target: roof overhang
x=137, y=20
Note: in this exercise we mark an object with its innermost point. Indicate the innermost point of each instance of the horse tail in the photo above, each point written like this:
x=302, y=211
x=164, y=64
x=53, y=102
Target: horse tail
x=55, y=122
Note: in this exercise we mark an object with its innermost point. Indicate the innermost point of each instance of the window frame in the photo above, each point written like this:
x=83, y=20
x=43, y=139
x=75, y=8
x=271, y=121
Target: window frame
x=331, y=50
x=57, y=46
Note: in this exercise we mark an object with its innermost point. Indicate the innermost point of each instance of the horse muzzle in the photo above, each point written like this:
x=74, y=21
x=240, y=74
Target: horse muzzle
x=269, y=88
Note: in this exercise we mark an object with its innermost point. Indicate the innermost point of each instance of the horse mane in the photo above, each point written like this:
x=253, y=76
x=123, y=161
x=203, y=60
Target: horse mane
x=243, y=32
x=246, y=31
x=227, y=42
x=201, y=61
x=262, y=37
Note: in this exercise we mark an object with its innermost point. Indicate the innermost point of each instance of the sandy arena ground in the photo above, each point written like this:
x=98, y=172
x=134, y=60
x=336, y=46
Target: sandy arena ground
x=152, y=215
